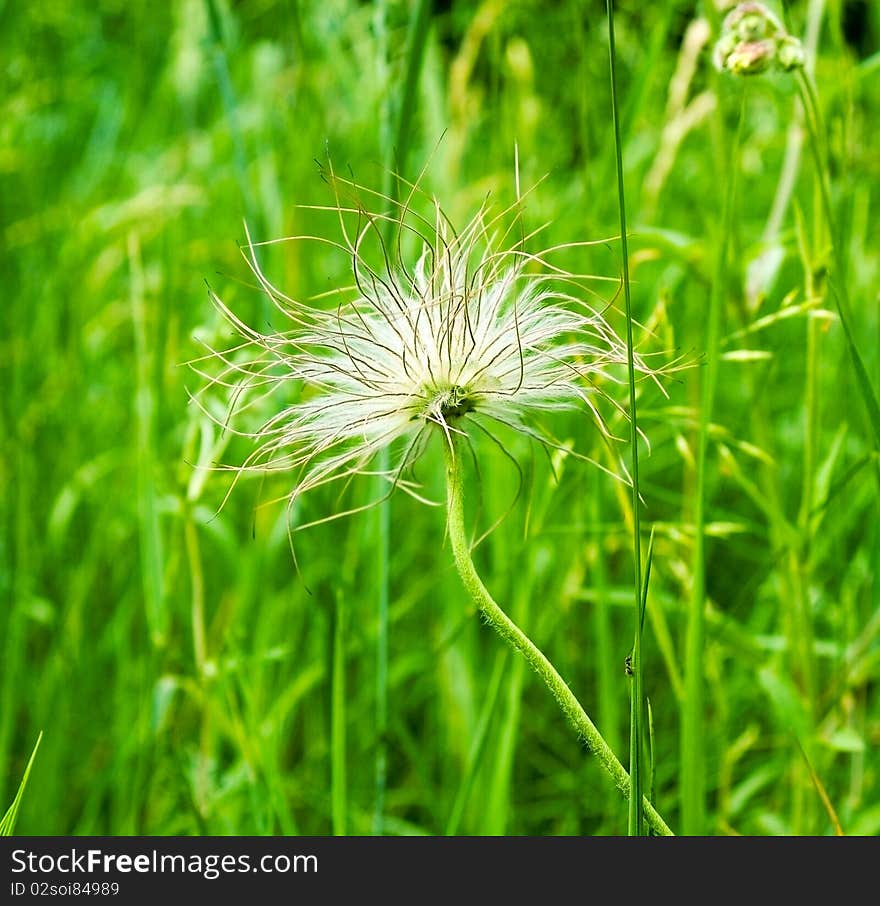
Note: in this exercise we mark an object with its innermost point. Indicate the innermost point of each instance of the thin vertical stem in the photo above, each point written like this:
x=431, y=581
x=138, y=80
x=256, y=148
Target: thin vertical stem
x=838, y=283
x=337, y=730
x=197, y=586
x=791, y=161
x=607, y=667
x=382, y=582
x=230, y=109
x=692, y=780
x=478, y=745
x=152, y=574
x=635, y=748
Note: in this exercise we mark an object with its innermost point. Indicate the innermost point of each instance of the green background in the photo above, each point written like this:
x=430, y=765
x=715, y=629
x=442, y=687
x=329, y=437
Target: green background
x=177, y=664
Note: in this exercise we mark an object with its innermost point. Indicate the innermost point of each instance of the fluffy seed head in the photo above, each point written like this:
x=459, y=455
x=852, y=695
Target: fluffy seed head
x=476, y=333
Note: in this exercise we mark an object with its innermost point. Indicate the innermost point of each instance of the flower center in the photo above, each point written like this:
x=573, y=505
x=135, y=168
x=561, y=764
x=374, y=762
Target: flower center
x=453, y=402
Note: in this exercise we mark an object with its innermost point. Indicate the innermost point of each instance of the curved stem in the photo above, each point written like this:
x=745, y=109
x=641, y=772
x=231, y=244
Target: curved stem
x=517, y=639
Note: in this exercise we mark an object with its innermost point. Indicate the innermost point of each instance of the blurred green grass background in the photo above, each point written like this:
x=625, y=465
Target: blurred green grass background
x=180, y=668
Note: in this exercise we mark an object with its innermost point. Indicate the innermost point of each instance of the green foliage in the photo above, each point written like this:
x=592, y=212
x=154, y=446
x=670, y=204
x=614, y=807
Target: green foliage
x=197, y=681
x=7, y=823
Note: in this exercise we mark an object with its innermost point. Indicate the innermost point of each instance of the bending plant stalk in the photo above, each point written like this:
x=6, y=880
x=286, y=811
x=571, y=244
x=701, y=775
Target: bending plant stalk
x=518, y=640
x=468, y=331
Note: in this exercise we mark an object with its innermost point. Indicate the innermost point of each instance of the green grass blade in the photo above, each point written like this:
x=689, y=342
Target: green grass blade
x=145, y=406
x=838, y=291
x=638, y=738
x=338, y=718
x=7, y=824
x=649, y=558
x=607, y=665
x=636, y=818
x=478, y=745
x=869, y=398
x=650, y=763
x=498, y=795
x=219, y=55
x=692, y=767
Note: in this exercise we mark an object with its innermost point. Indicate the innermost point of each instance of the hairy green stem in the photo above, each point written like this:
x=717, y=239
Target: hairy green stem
x=518, y=640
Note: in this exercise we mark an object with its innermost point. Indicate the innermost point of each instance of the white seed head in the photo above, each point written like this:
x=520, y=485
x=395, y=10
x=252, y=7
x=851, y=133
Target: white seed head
x=475, y=334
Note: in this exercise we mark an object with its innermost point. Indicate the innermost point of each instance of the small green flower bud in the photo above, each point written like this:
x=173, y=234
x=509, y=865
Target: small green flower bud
x=751, y=57
x=724, y=47
x=752, y=27
x=752, y=22
x=789, y=54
